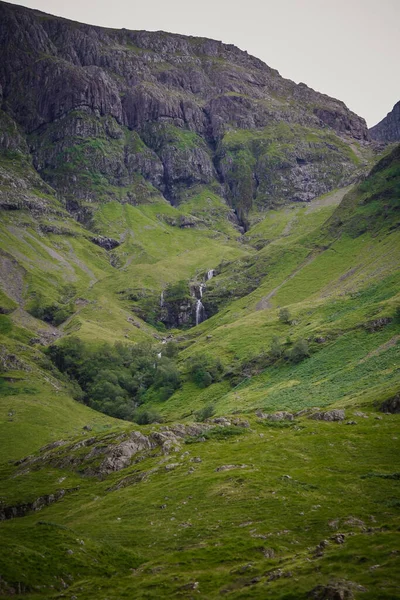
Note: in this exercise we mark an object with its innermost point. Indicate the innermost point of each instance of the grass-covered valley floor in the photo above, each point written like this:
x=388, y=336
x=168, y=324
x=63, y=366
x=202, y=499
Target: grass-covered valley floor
x=243, y=507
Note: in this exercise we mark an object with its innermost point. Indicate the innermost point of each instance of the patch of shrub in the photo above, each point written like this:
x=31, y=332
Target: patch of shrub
x=299, y=352
x=115, y=379
x=146, y=416
x=205, y=370
x=276, y=351
x=284, y=316
x=171, y=350
x=55, y=313
x=205, y=413
x=223, y=433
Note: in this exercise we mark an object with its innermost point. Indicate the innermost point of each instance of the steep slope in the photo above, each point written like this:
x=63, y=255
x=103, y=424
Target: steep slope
x=129, y=115
x=247, y=505
x=388, y=130
x=147, y=180
x=336, y=271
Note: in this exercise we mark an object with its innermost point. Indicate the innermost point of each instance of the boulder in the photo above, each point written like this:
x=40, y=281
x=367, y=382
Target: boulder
x=221, y=421
x=329, y=415
x=120, y=456
x=332, y=591
x=278, y=416
x=392, y=405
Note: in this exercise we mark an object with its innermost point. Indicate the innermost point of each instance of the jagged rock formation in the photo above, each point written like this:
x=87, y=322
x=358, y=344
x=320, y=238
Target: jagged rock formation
x=388, y=130
x=129, y=115
x=114, y=453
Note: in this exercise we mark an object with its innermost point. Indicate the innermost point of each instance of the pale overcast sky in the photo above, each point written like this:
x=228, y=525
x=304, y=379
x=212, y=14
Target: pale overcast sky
x=348, y=49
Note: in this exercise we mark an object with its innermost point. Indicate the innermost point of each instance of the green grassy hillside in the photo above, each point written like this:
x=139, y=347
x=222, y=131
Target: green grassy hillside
x=298, y=503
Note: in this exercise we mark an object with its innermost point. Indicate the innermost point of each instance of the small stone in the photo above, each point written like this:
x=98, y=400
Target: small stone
x=241, y=423
x=338, y=538
x=171, y=466
x=191, y=586
x=277, y=574
x=230, y=467
x=222, y=421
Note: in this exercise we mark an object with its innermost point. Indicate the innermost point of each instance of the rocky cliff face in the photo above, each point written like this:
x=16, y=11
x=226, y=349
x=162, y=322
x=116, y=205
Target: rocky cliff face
x=388, y=130
x=128, y=115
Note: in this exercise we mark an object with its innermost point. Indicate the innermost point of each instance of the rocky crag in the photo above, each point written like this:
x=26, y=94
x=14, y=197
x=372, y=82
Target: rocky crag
x=130, y=115
x=388, y=130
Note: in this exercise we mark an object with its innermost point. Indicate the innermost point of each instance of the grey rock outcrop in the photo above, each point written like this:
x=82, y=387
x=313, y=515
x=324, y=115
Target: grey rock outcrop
x=121, y=455
x=338, y=590
x=20, y=510
x=278, y=416
x=388, y=130
x=114, y=452
x=150, y=113
x=329, y=415
x=105, y=242
x=392, y=405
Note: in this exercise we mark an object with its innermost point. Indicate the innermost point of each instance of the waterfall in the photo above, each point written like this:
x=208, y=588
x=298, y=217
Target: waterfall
x=200, y=312
x=210, y=274
x=197, y=293
x=162, y=299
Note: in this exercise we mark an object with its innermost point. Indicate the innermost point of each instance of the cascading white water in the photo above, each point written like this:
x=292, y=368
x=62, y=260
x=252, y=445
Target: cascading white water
x=201, y=288
x=162, y=299
x=210, y=274
x=200, y=313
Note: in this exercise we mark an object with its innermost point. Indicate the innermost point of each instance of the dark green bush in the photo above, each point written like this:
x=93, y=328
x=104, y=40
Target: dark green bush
x=276, y=351
x=146, y=417
x=205, y=370
x=284, y=315
x=115, y=379
x=205, y=413
x=299, y=352
x=55, y=314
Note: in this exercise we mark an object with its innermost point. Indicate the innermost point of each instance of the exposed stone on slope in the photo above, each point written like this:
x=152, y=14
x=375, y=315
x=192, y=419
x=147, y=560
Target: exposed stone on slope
x=336, y=590
x=90, y=87
x=120, y=456
x=388, y=130
x=20, y=510
x=392, y=405
x=113, y=452
x=105, y=242
x=278, y=416
x=329, y=415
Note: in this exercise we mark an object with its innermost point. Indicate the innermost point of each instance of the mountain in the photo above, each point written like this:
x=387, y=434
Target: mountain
x=199, y=325
x=137, y=114
x=388, y=130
